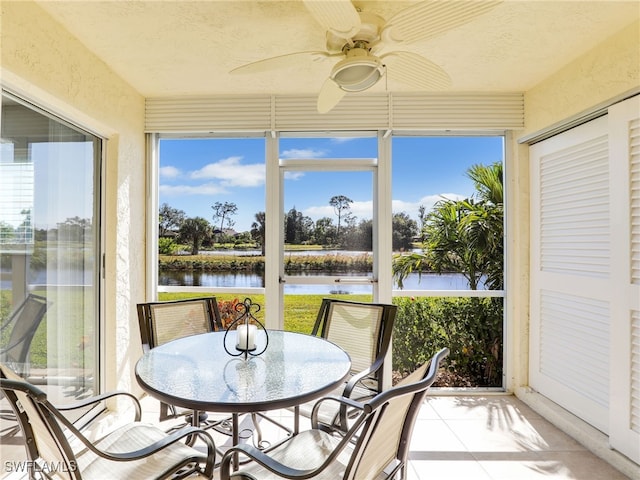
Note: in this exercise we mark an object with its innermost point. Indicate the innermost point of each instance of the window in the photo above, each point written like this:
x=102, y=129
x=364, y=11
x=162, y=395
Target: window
x=50, y=244
x=433, y=190
x=335, y=210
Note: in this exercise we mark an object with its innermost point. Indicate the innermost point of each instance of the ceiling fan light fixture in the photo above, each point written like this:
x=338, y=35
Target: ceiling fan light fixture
x=357, y=72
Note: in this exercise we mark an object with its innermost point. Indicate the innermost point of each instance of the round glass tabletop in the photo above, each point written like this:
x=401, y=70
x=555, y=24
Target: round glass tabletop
x=196, y=372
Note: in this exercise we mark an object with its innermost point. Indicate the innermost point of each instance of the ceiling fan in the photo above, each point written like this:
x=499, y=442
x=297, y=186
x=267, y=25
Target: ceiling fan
x=359, y=39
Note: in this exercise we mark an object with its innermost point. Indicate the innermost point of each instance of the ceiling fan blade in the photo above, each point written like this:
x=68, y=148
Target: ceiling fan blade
x=281, y=61
x=337, y=16
x=416, y=71
x=329, y=96
x=433, y=17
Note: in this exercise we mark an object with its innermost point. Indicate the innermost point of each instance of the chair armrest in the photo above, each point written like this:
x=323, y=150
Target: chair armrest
x=358, y=377
x=343, y=402
x=150, y=449
x=99, y=398
x=160, y=444
x=261, y=458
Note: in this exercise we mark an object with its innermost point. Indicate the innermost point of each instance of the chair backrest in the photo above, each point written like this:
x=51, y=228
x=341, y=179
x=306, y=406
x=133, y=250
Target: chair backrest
x=161, y=322
x=18, y=331
x=363, y=330
x=44, y=439
x=385, y=434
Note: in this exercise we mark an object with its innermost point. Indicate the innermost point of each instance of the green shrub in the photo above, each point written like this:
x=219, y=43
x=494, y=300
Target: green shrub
x=470, y=327
x=167, y=246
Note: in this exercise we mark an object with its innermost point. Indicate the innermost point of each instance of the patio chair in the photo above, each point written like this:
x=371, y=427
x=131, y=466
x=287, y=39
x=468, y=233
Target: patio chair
x=56, y=446
x=161, y=322
x=375, y=446
x=18, y=330
x=363, y=330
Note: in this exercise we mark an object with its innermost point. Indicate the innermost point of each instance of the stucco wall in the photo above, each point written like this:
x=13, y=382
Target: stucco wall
x=605, y=72
x=43, y=62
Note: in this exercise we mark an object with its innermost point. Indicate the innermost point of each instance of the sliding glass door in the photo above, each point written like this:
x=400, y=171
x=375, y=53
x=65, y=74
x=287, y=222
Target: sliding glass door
x=49, y=248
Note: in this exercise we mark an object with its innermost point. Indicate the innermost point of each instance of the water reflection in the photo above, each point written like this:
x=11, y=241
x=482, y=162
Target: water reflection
x=451, y=281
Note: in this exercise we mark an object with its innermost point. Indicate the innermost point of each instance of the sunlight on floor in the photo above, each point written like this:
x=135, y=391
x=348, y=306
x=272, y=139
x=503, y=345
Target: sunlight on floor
x=493, y=437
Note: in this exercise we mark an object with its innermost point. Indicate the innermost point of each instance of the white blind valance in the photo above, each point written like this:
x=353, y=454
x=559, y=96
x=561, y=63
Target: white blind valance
x=407, y=111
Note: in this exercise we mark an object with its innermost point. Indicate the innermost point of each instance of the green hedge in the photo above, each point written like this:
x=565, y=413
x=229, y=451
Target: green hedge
x=470, y=327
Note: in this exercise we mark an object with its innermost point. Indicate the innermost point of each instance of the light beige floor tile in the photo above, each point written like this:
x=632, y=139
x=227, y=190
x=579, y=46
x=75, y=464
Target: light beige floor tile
x=552, y=438
x=508, y=408
x=477, y=436
x=435, y=436
x=507, y=469
x=470, y=438
x=446, y=470
x=585, y=465
x=427, y=412
x=550, y=466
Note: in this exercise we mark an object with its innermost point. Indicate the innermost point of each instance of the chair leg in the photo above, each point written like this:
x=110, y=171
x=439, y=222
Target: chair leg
x=164, y=412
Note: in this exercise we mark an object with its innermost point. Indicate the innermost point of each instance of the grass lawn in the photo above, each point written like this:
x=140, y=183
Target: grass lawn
x=300, y=311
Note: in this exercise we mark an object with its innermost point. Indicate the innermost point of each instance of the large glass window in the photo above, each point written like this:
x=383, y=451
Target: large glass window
x=49, y=249
x=211, y=212
x=447, y=211
x=334, y=199
x=448, y=216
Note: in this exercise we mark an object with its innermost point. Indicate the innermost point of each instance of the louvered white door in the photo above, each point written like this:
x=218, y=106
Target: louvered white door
x=585, y=273
x=624, y=136
x=571, y=285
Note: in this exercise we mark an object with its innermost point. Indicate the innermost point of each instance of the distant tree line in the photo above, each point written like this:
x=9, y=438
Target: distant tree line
x=72, y=229
x=346, y=232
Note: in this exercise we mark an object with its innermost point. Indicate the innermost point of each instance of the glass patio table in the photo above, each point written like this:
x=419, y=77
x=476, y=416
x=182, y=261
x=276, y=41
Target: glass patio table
x=197, y=373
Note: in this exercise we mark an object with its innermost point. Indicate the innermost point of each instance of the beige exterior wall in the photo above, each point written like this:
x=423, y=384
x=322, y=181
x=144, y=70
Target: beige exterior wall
x=43, y=62
x=606, y=72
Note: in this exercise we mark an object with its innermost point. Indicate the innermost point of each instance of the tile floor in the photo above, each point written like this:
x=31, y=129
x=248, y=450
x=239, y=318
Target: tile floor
x=493, y=437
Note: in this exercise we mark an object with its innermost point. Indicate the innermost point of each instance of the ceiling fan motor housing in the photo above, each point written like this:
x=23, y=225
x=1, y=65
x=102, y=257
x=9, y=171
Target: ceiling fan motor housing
x=359, y=71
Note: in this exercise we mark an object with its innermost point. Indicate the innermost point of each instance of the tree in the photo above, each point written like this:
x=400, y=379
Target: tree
x=342, y=207
x=297, y=228
x=464, y=236
x=324, y=232
x=75, y=229
x=360, y=237
x=170, y=219
x=404, y=230
x=422, y=216
x=258, y=230
x=223, y=212
x=195, y=231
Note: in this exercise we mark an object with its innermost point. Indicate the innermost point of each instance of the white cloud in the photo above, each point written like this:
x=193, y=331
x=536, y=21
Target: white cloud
x=362, y=210
x=182, y=190
x=412, y=208
x=293, y=175
x=303, y=153
x=169, y=172
x=343, y=139
x=231, y=173
x=319, y=212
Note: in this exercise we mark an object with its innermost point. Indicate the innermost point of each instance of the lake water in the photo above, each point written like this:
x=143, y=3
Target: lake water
x=450, y=281
x=243, y=280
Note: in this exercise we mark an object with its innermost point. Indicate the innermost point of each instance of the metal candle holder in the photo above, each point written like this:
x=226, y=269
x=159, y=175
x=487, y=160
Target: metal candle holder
x=245, y=337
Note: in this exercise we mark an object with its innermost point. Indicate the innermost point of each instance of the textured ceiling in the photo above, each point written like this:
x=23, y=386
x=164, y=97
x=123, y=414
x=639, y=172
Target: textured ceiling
x=188, y=48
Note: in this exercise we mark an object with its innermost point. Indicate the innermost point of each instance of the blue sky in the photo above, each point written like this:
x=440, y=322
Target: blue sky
x=196, y=173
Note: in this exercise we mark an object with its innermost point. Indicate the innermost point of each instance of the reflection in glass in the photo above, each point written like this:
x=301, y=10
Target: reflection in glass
x=49, y=204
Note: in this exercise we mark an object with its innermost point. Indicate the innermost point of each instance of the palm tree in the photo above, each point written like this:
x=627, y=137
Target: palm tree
x=195, y=231
x=464, y=236
x=258, y=229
